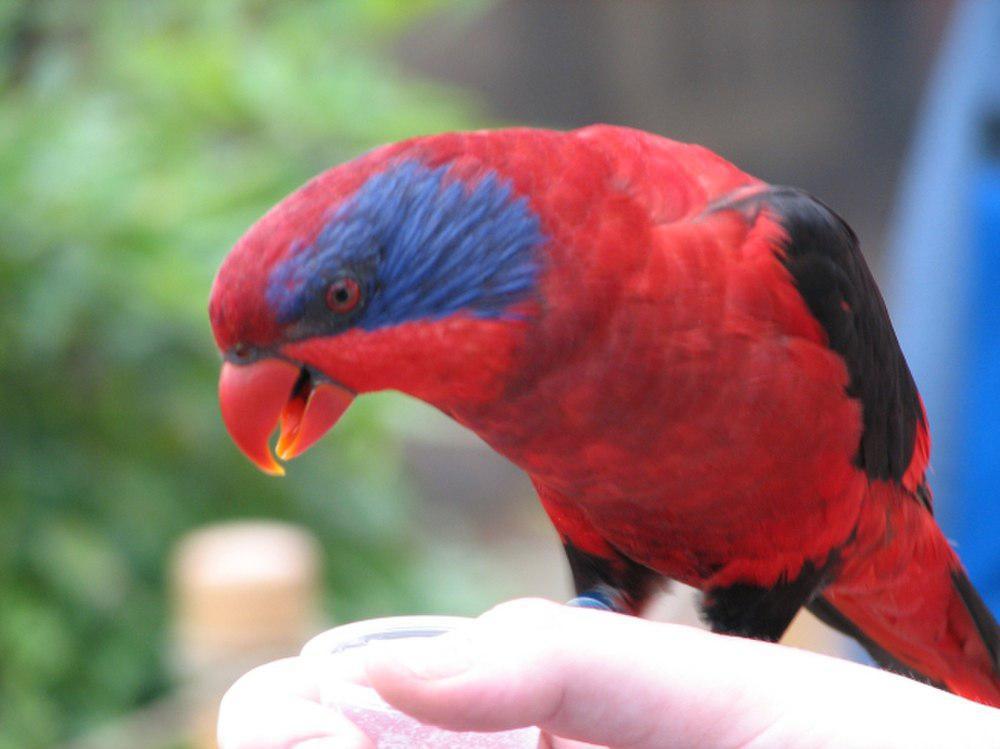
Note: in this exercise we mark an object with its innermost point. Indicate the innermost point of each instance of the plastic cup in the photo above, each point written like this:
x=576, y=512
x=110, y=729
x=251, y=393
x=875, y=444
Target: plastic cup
x=339, y=650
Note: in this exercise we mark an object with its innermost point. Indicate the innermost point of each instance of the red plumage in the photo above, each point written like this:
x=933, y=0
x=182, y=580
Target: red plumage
x=701, y=389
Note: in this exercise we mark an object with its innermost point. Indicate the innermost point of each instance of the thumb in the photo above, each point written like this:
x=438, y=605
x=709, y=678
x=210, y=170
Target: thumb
x=619, y=681
x=579, y=674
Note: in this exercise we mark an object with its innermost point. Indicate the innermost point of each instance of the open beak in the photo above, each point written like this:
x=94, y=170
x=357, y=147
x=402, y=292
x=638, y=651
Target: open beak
x=255, y=398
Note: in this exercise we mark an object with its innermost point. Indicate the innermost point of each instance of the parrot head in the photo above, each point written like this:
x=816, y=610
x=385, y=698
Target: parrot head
x=406, y=269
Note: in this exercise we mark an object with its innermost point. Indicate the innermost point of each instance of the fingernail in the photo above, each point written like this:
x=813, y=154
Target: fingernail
x=430, y=658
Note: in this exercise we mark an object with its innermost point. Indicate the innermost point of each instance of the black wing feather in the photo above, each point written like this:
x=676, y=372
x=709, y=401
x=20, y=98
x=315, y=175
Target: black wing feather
x=826, y=265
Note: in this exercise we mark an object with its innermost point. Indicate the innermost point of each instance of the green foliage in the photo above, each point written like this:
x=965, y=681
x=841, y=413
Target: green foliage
x=138, y=140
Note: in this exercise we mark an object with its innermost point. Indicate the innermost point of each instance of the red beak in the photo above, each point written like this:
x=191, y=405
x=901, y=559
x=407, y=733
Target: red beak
x=254, y=398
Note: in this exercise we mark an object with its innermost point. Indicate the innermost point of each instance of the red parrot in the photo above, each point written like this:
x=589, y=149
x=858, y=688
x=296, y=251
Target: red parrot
x=695, y=368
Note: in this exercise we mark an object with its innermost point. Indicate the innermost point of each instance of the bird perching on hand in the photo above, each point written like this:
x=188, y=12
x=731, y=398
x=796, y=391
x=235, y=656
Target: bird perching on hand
x=695, y=368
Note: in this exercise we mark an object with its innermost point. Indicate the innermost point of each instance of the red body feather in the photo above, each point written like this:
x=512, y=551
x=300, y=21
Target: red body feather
x=670, y=393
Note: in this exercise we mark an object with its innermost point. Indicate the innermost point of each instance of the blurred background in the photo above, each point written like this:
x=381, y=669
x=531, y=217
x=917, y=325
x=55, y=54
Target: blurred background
x=138, y=140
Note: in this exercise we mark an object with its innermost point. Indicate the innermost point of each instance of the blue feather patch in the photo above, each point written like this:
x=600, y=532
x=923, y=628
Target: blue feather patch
x=423, y=247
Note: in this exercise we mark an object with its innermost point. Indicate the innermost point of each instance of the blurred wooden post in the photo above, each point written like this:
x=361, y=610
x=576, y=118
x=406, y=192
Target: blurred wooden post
x=244, y=593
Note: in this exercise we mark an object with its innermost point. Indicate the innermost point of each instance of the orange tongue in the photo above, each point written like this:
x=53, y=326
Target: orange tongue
x=308, y=415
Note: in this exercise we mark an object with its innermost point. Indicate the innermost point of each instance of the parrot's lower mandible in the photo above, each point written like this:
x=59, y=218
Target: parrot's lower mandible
x=695, y=368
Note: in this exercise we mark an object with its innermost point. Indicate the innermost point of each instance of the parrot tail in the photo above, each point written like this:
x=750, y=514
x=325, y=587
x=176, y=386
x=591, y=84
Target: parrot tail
x=911, y=605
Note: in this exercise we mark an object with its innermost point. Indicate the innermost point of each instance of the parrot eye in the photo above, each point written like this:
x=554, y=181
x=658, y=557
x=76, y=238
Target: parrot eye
x=343, y=295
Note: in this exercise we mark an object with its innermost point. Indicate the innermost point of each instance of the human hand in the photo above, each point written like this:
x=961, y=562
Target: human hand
x=610, y=680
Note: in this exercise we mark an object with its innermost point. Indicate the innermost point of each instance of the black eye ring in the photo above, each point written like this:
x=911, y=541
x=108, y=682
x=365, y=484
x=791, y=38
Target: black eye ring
x=343, y=295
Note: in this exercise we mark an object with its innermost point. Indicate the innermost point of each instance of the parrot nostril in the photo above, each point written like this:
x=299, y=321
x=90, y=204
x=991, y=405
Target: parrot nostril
x=242, y=351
